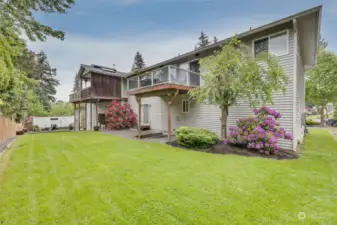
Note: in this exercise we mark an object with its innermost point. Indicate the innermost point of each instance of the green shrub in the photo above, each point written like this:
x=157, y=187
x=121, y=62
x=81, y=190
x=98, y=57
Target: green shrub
x=195, y=137
x=310, y=122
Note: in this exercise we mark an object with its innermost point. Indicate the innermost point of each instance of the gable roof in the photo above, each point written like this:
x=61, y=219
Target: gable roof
x=224, y=41
x=100, y=70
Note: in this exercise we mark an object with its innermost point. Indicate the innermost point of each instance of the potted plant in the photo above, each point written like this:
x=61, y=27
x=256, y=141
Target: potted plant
x=71, y=127
x=96, y=128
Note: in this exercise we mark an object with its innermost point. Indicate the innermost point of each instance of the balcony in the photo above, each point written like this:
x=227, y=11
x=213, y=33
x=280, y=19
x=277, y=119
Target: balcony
x=80, y=95
x=74, y=97
x=168, y=77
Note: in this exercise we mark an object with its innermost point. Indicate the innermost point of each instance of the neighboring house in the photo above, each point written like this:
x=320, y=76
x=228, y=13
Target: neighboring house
x=159, y=92
x=98, y=85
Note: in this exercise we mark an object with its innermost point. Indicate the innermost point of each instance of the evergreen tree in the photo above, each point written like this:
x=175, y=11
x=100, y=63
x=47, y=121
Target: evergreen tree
x=138, y=63
x=215, y=39
x=48, y=82
x=203, y=40
x=17, y=16
x=37, y=67
x=20, y=15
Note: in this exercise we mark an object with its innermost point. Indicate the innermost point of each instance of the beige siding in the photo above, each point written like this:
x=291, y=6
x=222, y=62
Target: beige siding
x=157, y=111
x=282, y=103
x=300, y=96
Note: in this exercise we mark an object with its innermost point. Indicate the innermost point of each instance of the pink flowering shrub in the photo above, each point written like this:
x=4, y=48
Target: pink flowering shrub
x=260, y=132
x=120, y=116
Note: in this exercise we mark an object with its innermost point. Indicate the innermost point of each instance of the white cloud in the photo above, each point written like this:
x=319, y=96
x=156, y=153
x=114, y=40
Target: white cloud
x=66, y=56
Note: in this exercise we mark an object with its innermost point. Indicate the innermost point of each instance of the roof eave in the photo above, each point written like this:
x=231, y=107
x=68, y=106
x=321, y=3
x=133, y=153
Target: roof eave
x=241, y=35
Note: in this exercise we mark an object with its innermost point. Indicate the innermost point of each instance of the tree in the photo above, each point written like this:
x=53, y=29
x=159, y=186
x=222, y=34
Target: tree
x=37, y=67
x=215, y=39
x=234, y=74
x=19, y=15
x=203, y=40
x=46, y=75
x=138, y=63
x=321, y=83
x=34, y=106
x=61, y=108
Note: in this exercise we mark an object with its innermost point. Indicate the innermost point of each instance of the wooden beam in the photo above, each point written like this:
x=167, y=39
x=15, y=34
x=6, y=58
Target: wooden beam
x=91, y=116
x=74, y=105
x=79, y=117
x=86, y=115
x=171, y=97
x=139, y=100
x=97, y=112
x=160, y=88
x=169, y=102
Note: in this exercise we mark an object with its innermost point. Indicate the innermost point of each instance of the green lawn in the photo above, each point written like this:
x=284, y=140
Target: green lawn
x=93, y=178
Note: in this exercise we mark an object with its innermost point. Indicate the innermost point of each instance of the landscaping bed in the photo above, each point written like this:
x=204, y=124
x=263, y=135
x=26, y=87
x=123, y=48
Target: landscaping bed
x=220, y=148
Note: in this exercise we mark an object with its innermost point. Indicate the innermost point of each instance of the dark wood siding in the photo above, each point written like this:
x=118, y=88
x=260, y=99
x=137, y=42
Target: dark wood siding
x=107, y=86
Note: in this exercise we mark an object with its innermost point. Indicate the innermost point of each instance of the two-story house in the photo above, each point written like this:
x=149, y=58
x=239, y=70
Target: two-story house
x=158, y=92
x=98, y=86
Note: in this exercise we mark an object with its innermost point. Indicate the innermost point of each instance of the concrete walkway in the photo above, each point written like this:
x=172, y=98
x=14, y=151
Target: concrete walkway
x=132, y=135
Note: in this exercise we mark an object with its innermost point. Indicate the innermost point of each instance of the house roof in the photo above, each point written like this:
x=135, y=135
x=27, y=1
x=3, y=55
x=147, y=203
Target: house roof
x=240, y=36
x=101, y=70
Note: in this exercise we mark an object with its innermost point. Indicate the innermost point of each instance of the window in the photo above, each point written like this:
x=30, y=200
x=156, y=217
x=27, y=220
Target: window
x=261, y=46
x=276, y=44
x=185, y=106
x=195, y=66
x=133, y=83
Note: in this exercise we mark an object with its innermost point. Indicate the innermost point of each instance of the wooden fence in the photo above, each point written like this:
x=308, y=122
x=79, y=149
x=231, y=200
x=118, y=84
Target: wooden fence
x=8, y=129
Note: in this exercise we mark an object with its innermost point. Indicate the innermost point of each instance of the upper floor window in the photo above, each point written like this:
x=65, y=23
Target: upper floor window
x=276, y=44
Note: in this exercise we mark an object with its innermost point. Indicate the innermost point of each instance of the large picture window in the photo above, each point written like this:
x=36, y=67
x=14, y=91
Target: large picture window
x=276, y=44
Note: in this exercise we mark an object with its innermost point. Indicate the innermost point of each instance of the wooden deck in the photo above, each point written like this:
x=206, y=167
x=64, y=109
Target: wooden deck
x=160, y=90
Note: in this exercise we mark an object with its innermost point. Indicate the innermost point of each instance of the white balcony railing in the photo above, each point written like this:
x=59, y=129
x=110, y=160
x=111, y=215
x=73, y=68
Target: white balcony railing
x=74, y=96
x=165, y=75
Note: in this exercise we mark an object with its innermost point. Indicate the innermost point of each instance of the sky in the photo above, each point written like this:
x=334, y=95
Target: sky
x=108, y=32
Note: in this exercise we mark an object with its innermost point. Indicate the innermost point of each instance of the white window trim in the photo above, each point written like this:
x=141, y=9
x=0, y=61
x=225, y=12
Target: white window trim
x=268, y=36
x=182, y=106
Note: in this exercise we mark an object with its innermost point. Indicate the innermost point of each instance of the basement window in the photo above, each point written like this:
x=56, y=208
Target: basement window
x=185, y=106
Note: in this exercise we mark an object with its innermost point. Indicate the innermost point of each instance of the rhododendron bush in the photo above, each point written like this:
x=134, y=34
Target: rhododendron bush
x=120, y=116
x=260, y=132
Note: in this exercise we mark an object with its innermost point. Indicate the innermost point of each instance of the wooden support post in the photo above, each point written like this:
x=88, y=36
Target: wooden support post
x=79, y=116
x=74, y=105
x=97, y=112
x=91, y=128
x=171, y=98
x=86, y=116
x=169, y=117
x=139, y=100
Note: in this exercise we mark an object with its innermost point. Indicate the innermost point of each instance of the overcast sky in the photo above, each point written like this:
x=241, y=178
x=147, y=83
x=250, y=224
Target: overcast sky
x=108, y=32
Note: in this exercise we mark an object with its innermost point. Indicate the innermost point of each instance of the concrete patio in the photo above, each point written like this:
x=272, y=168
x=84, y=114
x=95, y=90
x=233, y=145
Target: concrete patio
x=130, y=134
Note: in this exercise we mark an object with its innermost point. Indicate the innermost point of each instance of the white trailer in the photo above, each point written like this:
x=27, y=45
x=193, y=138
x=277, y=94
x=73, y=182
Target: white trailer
x=47, y=122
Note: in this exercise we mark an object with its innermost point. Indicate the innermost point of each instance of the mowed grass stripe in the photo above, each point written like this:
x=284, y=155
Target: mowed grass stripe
x=94, y=178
